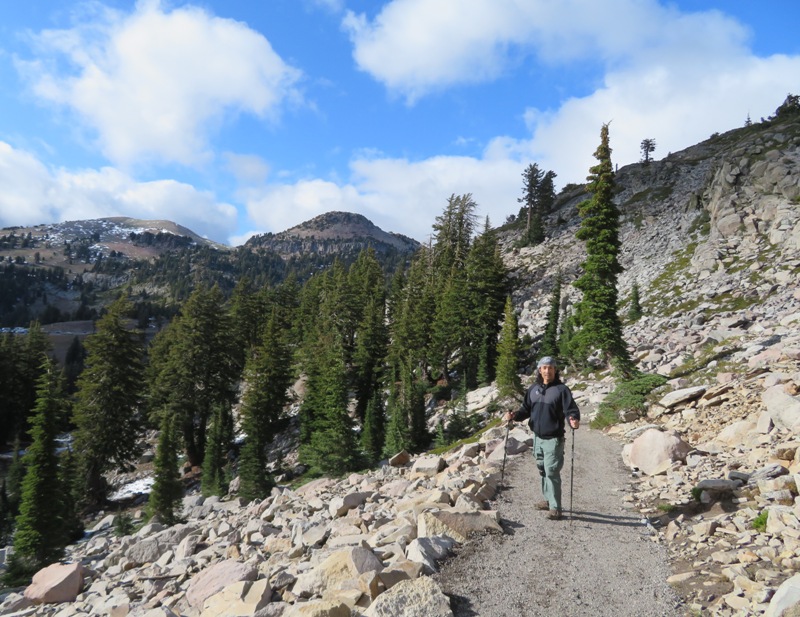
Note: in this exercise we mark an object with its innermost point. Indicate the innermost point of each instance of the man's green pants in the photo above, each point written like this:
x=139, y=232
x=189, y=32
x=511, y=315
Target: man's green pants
x=549, y=455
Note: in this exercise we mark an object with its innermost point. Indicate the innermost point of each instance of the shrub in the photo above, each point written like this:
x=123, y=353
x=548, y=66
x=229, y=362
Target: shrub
x=760, y=522
x=630, y=394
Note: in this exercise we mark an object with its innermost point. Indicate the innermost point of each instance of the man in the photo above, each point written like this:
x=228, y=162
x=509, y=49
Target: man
x=547, y=406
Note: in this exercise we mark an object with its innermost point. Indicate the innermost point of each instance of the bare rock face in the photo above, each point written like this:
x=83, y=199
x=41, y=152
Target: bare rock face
x=56, y=583
x=654, y=451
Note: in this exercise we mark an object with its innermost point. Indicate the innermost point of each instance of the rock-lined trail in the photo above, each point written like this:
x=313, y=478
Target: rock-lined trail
x=602, y=562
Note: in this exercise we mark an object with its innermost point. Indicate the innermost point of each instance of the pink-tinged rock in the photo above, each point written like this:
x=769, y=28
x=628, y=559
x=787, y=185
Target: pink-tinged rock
x=215, y=578
x=654, y=451
x=56, y=583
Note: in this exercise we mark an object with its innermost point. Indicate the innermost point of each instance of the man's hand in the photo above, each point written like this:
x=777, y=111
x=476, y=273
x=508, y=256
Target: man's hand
x=509, y=417
x=574, y=422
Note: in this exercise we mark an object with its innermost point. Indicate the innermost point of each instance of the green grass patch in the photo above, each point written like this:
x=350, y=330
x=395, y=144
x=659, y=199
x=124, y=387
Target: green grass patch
x=666, y=507
x=760, y=522
x=631, y=394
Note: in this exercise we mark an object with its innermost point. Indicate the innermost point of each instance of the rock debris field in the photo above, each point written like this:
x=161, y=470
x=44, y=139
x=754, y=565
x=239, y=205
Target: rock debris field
x=604, y=561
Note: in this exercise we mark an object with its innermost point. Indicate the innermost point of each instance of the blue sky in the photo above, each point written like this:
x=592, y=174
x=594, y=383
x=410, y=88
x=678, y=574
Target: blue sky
x=238, y=117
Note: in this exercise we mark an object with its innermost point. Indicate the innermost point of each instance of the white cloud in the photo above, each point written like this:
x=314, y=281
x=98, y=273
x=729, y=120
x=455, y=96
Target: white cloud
x=414, y=47
x=395, y=194
x=154, y=83
x=33, y=194
x=247, y=168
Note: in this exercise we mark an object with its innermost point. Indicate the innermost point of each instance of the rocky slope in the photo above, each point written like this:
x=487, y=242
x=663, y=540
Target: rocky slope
x=712, y=237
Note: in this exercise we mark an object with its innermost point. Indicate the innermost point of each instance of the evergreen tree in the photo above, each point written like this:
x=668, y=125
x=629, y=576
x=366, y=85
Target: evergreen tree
x=566, y=335
x=40, y=535
x=534, y=226
x=167, y=493
x=372, y=434
x=546, y=192
x=332, y=448
x=74, y=362
x=195, y=368
x=108, y=400
x=6, y=516
x=487, y=286
x=372, y=342
x=398, y=430
x=599, y=324
x=635, y=308
x=549, y=345
x=268, y=375
x=648, y=146
x=14, y=477
x=508, y=381
x=216, y=470
x=69, y=475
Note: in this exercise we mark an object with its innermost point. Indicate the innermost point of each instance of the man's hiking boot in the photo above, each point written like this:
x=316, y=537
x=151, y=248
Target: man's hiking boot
x=554, y=515
x=541, y=505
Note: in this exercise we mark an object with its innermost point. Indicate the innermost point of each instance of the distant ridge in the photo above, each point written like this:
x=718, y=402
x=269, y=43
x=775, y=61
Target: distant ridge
x=333, y=232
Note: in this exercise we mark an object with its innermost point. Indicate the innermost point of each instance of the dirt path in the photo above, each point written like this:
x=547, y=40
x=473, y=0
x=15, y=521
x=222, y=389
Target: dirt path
x=602, y=563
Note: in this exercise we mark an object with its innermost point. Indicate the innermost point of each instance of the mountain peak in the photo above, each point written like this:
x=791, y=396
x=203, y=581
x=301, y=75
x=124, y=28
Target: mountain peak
x=333, y=232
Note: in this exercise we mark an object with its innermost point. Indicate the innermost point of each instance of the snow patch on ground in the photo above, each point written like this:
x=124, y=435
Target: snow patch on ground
x=137, y=487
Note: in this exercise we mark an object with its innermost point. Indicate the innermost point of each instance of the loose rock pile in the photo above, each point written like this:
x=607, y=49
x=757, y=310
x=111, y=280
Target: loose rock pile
x=356, y=546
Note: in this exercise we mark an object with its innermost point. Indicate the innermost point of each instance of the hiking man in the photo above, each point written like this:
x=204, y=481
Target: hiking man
x=547, y=405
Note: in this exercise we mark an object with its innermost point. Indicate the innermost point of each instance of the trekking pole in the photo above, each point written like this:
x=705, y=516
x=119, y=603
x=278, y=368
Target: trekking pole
x=571, y=475
x=505, y=453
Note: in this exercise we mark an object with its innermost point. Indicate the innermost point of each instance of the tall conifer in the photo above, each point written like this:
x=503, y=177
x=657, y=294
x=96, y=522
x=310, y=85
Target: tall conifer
x=268, y=375
x=40, y=535
x=508, y=381
x=599, y=323
x=167, y=493
x=108, y=400
x=549, y=345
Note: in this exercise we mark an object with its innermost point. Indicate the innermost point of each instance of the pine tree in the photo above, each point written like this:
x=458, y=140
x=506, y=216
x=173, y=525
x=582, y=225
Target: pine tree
x=534, y=227
x=268, y=375
x=167, y=493
x=70, y=482
x=487, y=284
x=332, y=449
x=108, y=402
x=635, y=308
x=599, y=323
x=40, y=535
x=372, y=434
x=372, y=341
x=508, y=381
x=14, y=478
x=549, y=345
x=195, y=368
x=398, y=429
x=6, y=517
x=216, y=476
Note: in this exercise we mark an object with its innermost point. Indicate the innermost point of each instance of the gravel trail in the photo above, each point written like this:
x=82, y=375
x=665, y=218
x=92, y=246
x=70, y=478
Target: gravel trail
x=602, y=563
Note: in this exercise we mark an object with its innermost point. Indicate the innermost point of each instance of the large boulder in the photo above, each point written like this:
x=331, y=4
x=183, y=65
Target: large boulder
x=56, y=583
x=242, y=599
x=654, y=451
x=420, y=597
x=455, y=524
x=786, y=601
x=341, y=566
x=216, y=578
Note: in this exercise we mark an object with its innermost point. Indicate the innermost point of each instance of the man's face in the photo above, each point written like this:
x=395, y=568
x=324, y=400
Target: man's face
x=548, y=373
